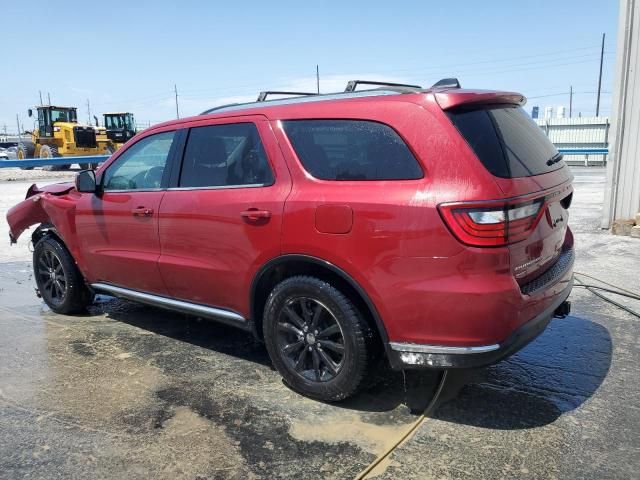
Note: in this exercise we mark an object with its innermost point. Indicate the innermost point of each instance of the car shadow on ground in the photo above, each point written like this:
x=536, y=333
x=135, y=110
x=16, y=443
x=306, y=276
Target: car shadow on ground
x=553, y=375
x=184, y=328
x=386, y=391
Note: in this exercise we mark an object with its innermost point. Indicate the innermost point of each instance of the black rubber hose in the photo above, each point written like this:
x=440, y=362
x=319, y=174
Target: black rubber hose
x=607, y=299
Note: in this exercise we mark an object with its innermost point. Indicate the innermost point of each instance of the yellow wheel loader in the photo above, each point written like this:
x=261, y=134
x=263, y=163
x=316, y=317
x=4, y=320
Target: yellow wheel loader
x=58, y=134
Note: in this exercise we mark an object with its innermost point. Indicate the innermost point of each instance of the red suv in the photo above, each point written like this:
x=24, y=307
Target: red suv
x=424, y=226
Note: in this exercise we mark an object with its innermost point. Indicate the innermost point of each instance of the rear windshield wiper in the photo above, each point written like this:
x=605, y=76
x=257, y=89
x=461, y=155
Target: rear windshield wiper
x=555, y=159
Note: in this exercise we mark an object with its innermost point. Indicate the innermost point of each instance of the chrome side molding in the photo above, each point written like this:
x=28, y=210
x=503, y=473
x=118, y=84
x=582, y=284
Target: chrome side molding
x=221, y=315
x=420, y=348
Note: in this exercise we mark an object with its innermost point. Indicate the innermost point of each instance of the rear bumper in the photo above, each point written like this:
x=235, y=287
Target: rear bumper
x=416, y=356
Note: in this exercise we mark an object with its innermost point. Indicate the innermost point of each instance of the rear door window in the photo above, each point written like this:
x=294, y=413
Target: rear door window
x=507, y=141
x=223, y=156
x=351, y=150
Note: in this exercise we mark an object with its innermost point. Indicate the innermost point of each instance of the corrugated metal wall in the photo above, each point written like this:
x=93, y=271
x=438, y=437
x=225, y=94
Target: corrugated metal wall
x=578, y=132
x=622, y=195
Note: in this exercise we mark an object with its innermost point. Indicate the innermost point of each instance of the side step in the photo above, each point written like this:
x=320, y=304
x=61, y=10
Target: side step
x=223, y=316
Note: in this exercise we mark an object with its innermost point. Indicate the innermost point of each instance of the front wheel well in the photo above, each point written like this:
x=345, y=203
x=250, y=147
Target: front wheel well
x=281, y=269
x=42, y=231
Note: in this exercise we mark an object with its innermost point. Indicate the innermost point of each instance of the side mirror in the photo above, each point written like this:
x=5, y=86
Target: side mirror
x=30, y=112
x=86, y=181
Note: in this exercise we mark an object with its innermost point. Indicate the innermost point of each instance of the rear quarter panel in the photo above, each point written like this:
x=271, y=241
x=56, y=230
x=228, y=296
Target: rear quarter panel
x=397, y=235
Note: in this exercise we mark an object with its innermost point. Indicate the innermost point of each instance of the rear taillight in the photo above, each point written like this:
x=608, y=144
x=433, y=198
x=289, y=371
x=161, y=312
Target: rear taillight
x=491, y=224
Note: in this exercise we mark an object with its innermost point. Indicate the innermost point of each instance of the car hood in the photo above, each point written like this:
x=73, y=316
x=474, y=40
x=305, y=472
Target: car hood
x=54, y=189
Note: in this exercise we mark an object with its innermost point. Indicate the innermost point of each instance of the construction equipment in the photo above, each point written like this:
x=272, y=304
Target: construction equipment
x=58, y=134
x=121, y=126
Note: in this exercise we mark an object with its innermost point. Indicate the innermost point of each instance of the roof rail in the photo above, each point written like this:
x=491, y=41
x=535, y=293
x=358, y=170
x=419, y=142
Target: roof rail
x=351, y=86
x=263, y=95
x=219, y=107
x=447, y=83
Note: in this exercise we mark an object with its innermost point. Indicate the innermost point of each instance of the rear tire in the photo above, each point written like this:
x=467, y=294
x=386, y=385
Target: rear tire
x=59, y=281
x=317, y=339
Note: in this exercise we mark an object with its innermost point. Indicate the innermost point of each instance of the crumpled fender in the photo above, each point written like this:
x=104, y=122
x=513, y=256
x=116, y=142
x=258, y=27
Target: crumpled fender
x=54, y=189
x=46, y=204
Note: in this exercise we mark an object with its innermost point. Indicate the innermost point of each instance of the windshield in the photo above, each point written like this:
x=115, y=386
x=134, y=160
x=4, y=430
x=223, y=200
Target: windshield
x=119, y=121
x=63, y=115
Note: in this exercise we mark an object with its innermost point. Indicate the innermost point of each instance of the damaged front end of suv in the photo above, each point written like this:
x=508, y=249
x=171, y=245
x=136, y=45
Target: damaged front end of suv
x=47, y=205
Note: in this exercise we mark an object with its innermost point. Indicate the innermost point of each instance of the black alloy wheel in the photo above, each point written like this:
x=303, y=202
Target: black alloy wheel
x=51, y=277
x=318, y=339
x=59, y=281
x=311, y=340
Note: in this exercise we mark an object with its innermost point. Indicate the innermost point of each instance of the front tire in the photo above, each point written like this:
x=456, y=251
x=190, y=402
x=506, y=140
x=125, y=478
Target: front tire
x=94, y=166
x=317, y=339
x=59, y=281
x=25, y=152
x=51, y=151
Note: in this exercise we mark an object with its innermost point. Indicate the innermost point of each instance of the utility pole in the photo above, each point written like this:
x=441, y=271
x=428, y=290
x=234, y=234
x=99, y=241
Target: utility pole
x=175, y=89
x=88, y=112
x=40, y=93
x=49, y=97
x=600, y=77
x=570, y=100
x=318, y=78
x=19, y=134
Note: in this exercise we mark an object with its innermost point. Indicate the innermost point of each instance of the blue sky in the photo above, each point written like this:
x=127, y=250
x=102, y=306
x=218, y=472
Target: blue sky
x=126, y=55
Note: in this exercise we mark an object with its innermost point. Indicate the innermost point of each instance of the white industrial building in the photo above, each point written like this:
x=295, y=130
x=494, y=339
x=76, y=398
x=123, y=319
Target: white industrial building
x=622, y=194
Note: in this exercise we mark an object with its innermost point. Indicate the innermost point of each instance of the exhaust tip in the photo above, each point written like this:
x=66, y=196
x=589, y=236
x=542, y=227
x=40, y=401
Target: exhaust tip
x=563, y=310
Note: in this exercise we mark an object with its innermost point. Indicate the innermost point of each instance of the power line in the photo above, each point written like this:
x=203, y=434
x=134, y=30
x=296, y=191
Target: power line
x=494, y=61
x=561, y=93
x=496, y=64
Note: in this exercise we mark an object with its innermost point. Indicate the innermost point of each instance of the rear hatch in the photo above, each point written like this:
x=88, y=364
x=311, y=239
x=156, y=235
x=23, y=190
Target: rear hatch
x=533, y=177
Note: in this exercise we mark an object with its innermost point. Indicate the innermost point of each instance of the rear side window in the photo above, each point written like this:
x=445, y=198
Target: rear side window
x=225, y=155
x=507, y=141
x=351, y=150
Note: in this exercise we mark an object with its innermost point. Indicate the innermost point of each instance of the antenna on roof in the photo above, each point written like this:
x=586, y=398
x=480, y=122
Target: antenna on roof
x=351, y=86
x=447, y=83
x=263, y=95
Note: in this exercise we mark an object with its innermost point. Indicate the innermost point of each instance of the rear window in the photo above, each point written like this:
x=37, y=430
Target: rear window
x=351, y=150
x=507, y=141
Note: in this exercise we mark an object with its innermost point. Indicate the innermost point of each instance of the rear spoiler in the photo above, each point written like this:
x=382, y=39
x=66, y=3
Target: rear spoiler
x=448, y=99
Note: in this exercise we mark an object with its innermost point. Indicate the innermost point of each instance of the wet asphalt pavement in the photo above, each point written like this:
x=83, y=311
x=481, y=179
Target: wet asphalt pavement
x=129, y=391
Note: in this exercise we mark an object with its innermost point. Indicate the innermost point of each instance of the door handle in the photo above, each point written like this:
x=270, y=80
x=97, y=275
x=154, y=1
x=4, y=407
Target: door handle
x=254, y=214
x=142, y=212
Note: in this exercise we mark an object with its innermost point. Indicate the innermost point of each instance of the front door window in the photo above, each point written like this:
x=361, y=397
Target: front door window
x=142, y=166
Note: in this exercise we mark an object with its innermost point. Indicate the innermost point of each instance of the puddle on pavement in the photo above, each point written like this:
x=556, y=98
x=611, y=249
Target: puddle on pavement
x=196, y=396
x=176, y=396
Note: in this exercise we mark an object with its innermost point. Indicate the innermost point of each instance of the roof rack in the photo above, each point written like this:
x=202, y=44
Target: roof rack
x=263, y=95
x=219, y=107
x=447, y=83
x=351, y=86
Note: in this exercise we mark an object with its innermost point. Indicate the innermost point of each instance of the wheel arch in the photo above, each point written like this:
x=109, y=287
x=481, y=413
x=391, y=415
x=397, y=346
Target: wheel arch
x=45, y=229
x=285, y=266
